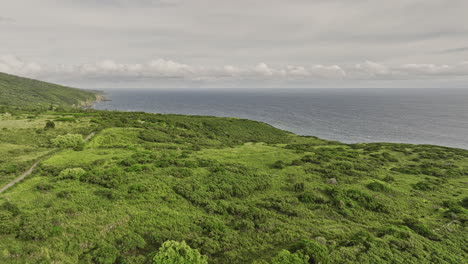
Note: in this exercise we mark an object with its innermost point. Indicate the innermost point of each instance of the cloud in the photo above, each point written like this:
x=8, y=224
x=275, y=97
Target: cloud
x=164, y=69
x=14, y=65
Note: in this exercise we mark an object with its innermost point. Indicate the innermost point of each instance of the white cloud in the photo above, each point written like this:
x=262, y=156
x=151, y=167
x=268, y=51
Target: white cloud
x=372, y=69
x=14, y=65
x=161, y=69
x=263, y=69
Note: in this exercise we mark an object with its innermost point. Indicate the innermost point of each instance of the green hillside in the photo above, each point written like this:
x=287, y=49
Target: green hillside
x=233, y=190
x=27, y=93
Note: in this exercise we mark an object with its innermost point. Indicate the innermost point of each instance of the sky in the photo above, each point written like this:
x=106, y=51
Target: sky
x=237, y=44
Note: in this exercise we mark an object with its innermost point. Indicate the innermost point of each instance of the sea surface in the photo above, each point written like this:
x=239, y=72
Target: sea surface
x=418, y=116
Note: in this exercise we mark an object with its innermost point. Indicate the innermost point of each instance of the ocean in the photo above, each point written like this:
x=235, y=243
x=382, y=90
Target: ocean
x=417, y=116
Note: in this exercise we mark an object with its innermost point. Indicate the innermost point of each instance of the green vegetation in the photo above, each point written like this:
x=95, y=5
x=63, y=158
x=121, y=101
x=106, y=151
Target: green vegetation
x=150, y=188
x=27, y=93
x=236, y=191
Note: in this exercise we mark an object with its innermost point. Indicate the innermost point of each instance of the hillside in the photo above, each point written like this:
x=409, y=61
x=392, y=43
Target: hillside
x=28, y=93
x=238, y=191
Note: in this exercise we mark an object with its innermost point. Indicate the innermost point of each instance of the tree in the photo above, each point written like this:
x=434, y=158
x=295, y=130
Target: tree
x=173, y=252
x=49, y=125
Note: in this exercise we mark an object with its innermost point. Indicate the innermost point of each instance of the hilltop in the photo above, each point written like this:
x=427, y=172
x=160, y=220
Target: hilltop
x=22, y=92
x=148, y=188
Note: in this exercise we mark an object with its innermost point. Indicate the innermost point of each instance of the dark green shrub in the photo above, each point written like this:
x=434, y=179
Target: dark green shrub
x=131, y=241
x=178, y=253
x=181, y=172
x=464, y=202
x=308, y=197
x=109, y=194
x=299, y=187
x=278, y=165
x=361, y=238
x=286, y=257
x=44, y=187
x=420, y=228
x=388, y=179
x=137, y=188
x=49, y=125
x=7, y=224
x=377, y=187
x=104, y=253
x=109, y=178
x=424, y=186
x=11, y=207
x=318, y=253
x=65, y=194
x=9, y=169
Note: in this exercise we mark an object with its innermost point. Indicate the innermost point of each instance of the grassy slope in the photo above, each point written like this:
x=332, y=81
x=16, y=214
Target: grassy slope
x=237, y=190
x=27, y=93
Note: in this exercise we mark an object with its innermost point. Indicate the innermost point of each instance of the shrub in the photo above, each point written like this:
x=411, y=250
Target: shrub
x=74, y=141
x=377, y=187
x=420, y=228
x=424, y=186
x=131, y=241
x=7, y=225
x=278, y=165
x=464, y=202
x=137, y=188
x=361, y=238
x=109, y=178
x=44, y=187
x=8, y=169
x=104, y=253
x=181, y=172
x=317, y=253
x=72, y=173
x=388, y=179
x=286, y=257
x=299, y=187
x=49, y=125
x=178, y=253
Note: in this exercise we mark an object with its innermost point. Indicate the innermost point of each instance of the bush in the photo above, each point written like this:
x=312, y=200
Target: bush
x=8, y=169
x=278, y=165
x=74, y=141
x=286, y=257
x=377, y=187
x=424, y=186
x=178, y=253
x=44, y=187
x=49, y=125
x=104, y=253
x=72, y=173
x=464, y=202
x=317, y=253
x=420, y=228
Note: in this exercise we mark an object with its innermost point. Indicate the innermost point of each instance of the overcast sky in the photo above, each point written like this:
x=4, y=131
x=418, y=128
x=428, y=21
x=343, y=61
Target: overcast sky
x=237, y=43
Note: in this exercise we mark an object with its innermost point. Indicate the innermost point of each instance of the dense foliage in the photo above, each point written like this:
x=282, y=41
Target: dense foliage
x=236, y=191
x=27, y=93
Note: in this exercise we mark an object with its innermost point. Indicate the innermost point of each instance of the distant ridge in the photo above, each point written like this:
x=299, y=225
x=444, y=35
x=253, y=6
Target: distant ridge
x=23, y=92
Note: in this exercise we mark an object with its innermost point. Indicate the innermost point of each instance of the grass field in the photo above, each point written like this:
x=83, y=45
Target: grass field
x=239, y=191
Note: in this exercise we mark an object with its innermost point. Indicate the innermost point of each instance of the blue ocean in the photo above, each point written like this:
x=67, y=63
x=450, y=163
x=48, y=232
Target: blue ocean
x=418, y=116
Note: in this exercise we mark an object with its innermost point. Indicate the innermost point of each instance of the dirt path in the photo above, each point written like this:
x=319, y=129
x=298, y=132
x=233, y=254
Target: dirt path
x=89, y=136
x=30, y=170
